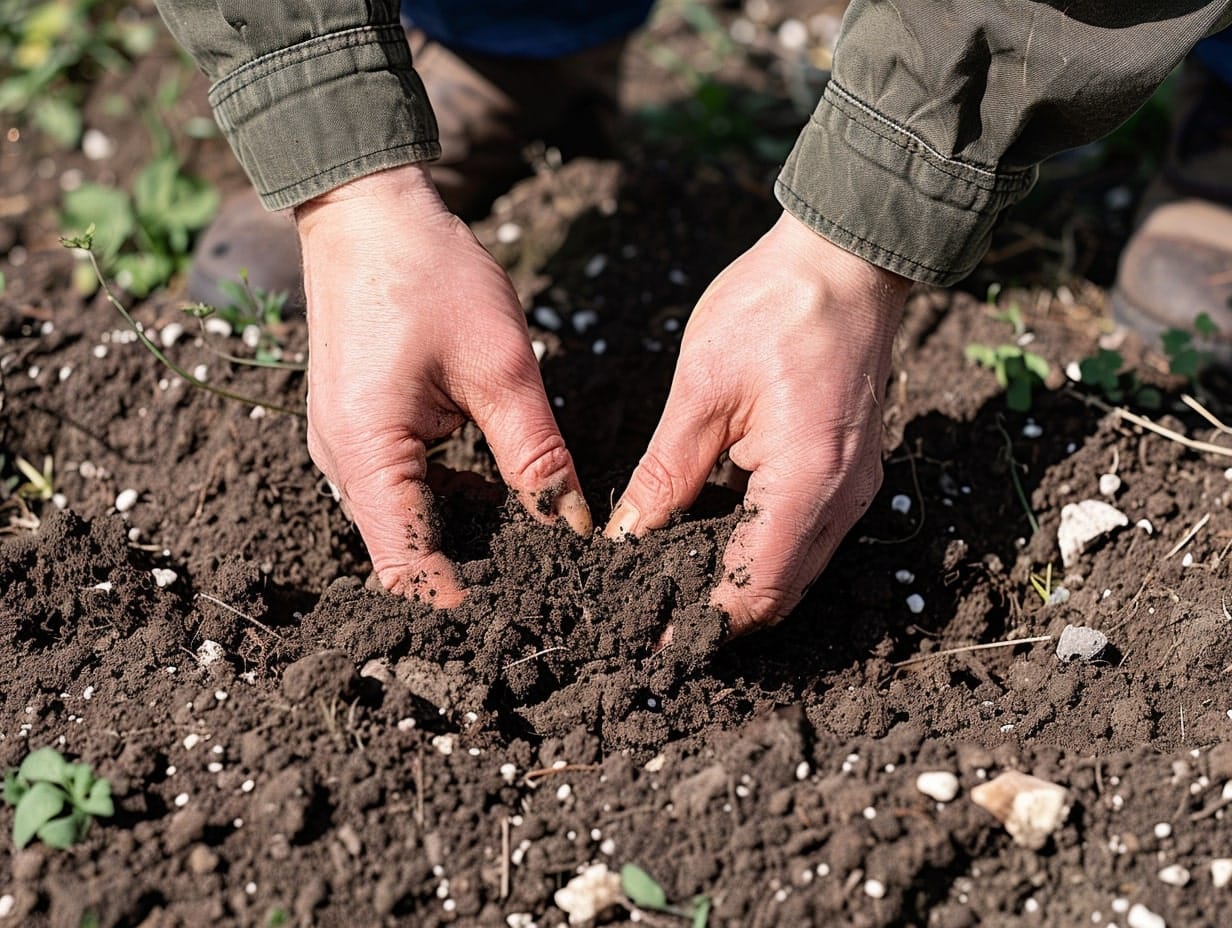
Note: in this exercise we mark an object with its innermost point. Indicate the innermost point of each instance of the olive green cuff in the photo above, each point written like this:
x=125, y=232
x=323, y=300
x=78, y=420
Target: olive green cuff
x=881, y=192
x=310, y=117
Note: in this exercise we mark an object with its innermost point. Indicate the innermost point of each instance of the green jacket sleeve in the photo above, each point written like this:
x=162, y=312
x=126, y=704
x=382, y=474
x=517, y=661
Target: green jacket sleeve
x=937, y=114
x=310, y=95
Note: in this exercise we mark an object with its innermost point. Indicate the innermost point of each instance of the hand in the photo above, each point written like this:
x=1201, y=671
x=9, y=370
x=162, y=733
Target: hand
x=413, y=329
x=783, y=365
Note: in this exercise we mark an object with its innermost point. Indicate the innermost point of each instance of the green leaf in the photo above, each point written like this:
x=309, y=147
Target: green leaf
x=59, y=118
x=1149, y=398
x=1018, y=394
x=1035, y=364
x=39, y=805
x=984, y=355
x=641, y=888
x=153, y=188
x=141, y=273
x=1175, y=341
x=46, y=764
x=98, y=801
x=78, y=778
x=701, y=911
x=14, y=789
x=106, y=208
x=64, y=832
x=1204, y=326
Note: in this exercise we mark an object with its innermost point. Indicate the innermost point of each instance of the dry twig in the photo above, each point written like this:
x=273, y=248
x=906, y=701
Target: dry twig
x=972, y=647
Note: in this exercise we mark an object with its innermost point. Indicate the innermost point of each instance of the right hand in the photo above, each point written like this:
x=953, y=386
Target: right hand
x=413, y=329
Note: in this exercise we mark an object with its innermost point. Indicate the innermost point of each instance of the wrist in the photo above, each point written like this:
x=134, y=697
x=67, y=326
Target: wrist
x=407, y=186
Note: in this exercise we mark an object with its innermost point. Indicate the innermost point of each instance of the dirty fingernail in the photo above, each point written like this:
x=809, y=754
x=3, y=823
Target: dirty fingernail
x=623, y=521
x=573, y=509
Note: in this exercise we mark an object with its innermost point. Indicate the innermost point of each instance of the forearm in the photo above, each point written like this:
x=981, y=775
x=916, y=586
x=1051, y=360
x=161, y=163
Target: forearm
x=310, y=96
x=938, y=113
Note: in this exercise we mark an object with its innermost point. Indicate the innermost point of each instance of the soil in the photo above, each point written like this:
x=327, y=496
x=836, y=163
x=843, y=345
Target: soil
x=288, y=746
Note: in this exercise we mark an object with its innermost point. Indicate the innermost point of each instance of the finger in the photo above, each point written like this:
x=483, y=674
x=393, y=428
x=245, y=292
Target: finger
x=794, y=526
x=394, y=511
x=529, y=449
x=688, y=440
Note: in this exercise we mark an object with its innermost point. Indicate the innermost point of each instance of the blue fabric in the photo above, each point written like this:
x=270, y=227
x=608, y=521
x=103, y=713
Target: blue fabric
x=1216, y=54
x=526, y=28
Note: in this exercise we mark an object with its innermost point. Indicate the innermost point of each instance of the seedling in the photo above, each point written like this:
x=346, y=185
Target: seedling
x=39, y=484
x=646, y=893
x=1103, y=372
x=1043, y=584
x=1185, y=359
x=250, y=307
x=1012, y=314
x=43, y=787
x=1018, y=371
x=85, y=243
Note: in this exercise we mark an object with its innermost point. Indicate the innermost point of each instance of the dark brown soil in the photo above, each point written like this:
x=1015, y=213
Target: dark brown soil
x=356, y=759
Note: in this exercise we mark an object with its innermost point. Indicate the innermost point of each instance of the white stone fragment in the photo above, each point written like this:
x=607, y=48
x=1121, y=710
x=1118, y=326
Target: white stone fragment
x=915, y=602
x=444, y=744
x=655, y=764
x=509, y=772
x=901, y=503
x=96, y=146
x=126, y=500
x=508, y=232
x=595, y=266
x=209, y=652
x=1227, y=791
x=564, y=791
x=191, y=741
x=793, y=34
x=584, y=319
x=181, y=800
x=1174, y=875
x=1079, y=643
x=216, y=326
x=7, y=902
x=940, y=785
x=59, y=500
x=1082, y=523
x=1141, y=917
x=1187, y=560
x=201, y=372
x=1145, y=525
x=904, y=576
x=1221, y=872
x=588, y=894
x=874, y=889
x=164, y=576
x=519, y=920
x=546, y=317
x=1109, y=484
x=172, y=332
x=1031, y=809
x=1032, y=430
x=539, y=348
x=802, y=770
x=1163, y=830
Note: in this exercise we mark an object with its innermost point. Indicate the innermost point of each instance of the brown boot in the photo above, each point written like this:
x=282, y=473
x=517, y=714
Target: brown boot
x=1178, y=264
x=488, y=109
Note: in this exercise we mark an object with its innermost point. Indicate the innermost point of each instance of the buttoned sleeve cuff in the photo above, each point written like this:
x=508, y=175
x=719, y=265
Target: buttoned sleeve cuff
x=310, y=117
x=877, y=190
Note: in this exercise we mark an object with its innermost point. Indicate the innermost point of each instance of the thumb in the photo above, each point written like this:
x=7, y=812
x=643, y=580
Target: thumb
x=687, y=442
x=530, y=452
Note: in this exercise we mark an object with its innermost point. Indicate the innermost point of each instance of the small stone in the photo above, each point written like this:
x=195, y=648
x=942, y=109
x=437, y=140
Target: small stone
x=1187, y=560
x=191, y=741
x=164, y=576
x=209, y=652
x=7, y=902
x=508, y=232
x=874, y=889
x=940, y=785
x=1082, y=523
x=1032, y=430
x=655, y=764
x=904, y=576
x=802, y=770
x=1141, y=917
x=901, y=503
x=1145, y=525
x=1031, y=809
x=595, y=266
x=584, y=319
x=96, y=145
x=509, y=772
x=915, y=602
x=181, y=800
x=1163, y=830
x=1079, y=643
x=443, y=744
x=1221, y=872
x=546, y=317
x=172, y=332
x=589, y=894
x=1174, y=875
x=564, y=792
x=1109, y=484
x=126, y=500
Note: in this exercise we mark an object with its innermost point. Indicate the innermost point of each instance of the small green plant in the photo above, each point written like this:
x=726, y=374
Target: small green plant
x=1019, y=372
x=1185, y=359
x=646, y=893
x=251, y=307
x=43, y=787
x=277, y=918
x=40, y=484
x=143, y=238
x=52, y=50
x=1042, y=583
x=1102, y=371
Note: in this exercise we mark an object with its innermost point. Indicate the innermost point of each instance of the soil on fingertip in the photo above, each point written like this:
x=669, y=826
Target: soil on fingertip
x=287, y=745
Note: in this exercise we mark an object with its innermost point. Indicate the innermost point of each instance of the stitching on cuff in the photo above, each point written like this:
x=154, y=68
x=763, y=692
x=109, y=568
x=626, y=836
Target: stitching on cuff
x=903, y=138
x=817, y=218
x=318, y=47
x=424, y=151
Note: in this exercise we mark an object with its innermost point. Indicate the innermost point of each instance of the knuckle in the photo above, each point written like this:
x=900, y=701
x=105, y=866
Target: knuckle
x=655, y=478
x=540, y=459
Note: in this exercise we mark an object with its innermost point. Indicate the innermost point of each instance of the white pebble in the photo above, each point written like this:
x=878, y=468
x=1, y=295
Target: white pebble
x=870, y=813
x=96, y=146
x=546, y=317
x=1109, y=484
x=1032, y=430
x=901, y=503
x=1145, y=525
x=904, y=576
x=172, y=332
x=1221, y=871
x=209, y=652
x=247, y=786
x=201, y=372
x=181, y=800
x=793, y=34
x=6, y=905
x=1227, y=791
x=1187, y=560
x=1120, y=905
x=802, y=770
x=508, y=233
x=1174, y=875
x=874, y=889
x=608, y=847
x=406, y=724
x=1031, y=906
x=214, y=767
x=65, y=372
x=1142, y=917
x=600, y=346
x=564, y=792
x=595, y=266
x=100, y=351
x=584, y=319
x=217, y=326
x=250, y=888
x=88, y=693
x=1163, y=830
x=126, y=500
x=444, y=744
x=164, y=576
x=539, y=348
x=191, y=741
x=915, y=602
x=940, y=785
x=508, y=772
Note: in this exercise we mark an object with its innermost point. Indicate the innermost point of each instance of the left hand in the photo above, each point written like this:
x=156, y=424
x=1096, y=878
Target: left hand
x=783, y=365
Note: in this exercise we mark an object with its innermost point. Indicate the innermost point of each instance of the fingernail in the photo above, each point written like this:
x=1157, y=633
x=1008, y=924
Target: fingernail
x=573, y=509
x=623, y=521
